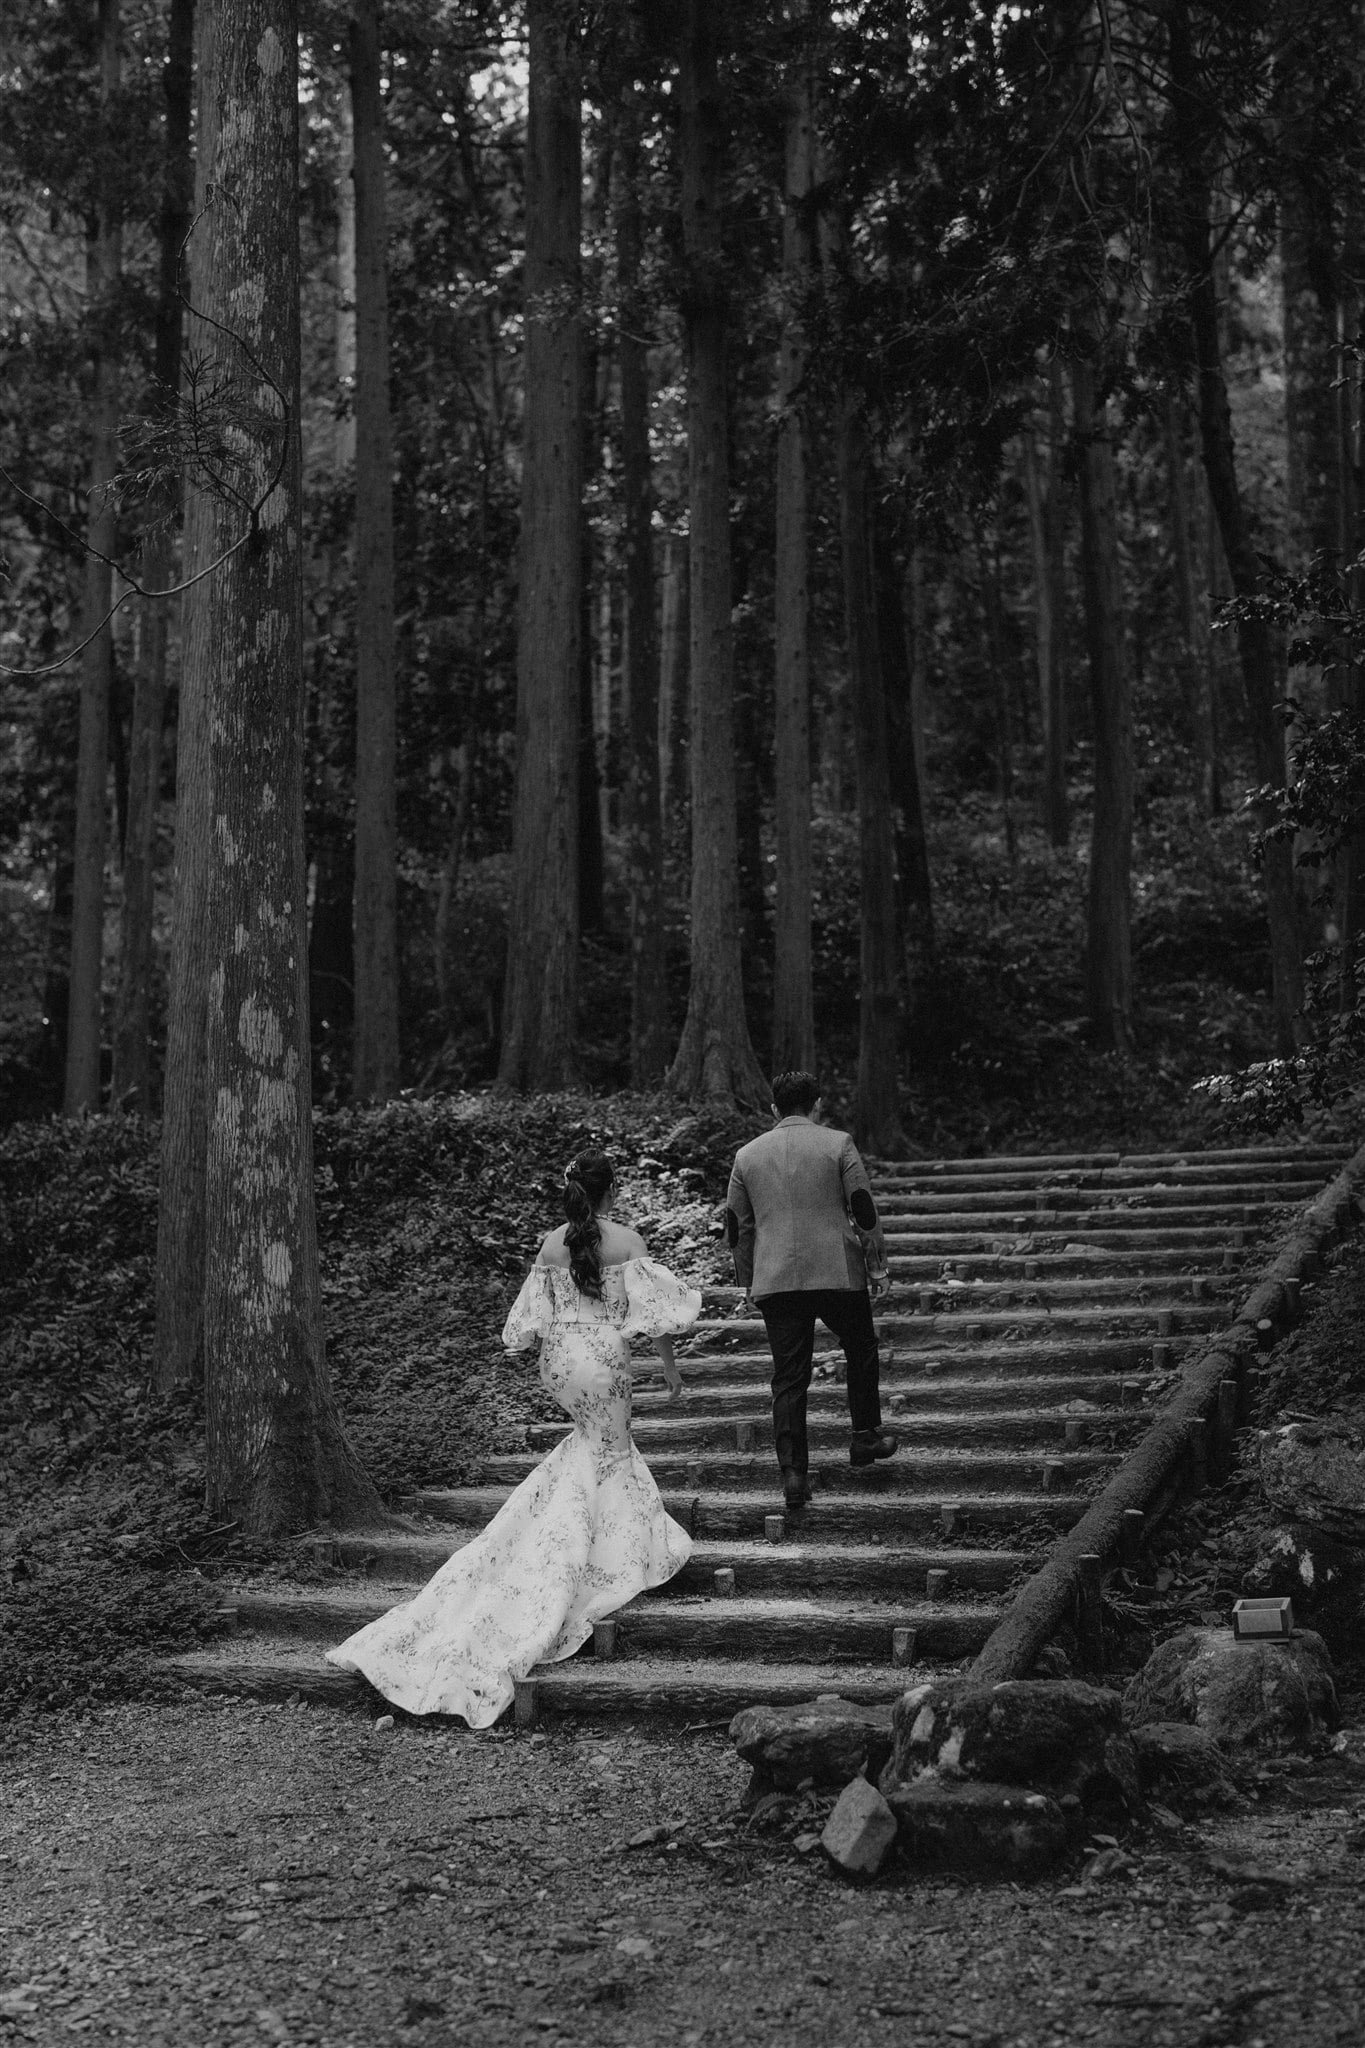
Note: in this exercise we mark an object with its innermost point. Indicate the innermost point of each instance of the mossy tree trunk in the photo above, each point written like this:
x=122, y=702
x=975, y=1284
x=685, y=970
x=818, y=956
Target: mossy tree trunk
x=541, y=981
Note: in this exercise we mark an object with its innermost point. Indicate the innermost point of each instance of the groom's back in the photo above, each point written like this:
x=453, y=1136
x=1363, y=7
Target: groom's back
x=795, y=1182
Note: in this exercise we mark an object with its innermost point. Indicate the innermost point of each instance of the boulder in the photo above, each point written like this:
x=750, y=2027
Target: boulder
x=1314, y=1472
x=961, y=1824
x=827, y=1741
x=1182, y=1765
x=860, y=1831
x=1270, y=1696
x=1054, y=1735
x=1304, y=1563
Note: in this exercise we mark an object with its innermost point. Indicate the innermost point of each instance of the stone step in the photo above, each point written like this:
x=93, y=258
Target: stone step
x=1194, y=1239
x=1156, y=1291
x=805, y=1630
x=732, y=1401
x=905, y=1326
x=832, y=1515
x=902, y=1365
x=1002, y=1220
x=1197, y=1195
x=1046, y=1268
x=913, y=1469
x=887, y=1171
x=692, y=1690
x=681, y=1434
x=793, y=1566
x=1200, y=1173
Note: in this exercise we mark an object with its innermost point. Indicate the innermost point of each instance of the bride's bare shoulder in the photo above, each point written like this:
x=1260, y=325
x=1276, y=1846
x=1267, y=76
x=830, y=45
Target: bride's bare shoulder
x=552, y=1252
x=620, y=1243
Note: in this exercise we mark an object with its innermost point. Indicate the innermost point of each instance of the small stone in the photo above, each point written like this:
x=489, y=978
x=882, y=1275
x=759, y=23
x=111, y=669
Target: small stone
x=826, y=1740
x=383, y=1724
x=860, y=1831
x=1183, y=1763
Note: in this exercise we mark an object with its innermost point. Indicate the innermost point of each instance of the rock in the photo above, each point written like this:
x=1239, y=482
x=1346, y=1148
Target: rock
x=1304, y=1563
x=1051, y=1662
x=1182, y=1765
x=1257, y=1695
x=383, y=1724
x=1054, y=1735
x=860, y=1831
x=1314, y=1472
x=827, y=1741
x=960, y=1824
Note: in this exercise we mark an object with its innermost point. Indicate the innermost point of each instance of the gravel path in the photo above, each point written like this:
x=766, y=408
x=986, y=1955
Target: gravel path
x=215, y=1872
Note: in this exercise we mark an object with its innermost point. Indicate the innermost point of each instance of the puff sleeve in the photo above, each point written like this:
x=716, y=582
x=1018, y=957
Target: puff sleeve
x=658, y=1303
x=530, y=1313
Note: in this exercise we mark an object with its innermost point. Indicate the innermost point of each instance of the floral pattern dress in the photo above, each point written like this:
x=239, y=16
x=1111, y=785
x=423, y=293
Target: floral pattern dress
x=584, y=1533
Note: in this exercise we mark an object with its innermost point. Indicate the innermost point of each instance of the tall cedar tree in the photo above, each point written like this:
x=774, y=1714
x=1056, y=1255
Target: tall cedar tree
x=1108, y=942
x=1194, y=119
x=715, y=1055
x=131, y=1087
x=1045, y=476
x=793, y=997
x=103, y=262
x=876, y=1124
x=541, y=983
x=375, y=1075
x=277, y=1458
x=643, y=817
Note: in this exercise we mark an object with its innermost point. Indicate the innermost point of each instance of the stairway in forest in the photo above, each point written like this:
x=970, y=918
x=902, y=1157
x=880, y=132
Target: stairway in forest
x=1032, y=1301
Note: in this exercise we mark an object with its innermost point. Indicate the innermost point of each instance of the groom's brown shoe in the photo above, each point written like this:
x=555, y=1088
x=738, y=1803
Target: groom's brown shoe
x=870, y=1444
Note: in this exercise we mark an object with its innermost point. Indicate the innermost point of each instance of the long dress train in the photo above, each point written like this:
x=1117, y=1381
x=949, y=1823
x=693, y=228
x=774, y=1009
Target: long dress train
x=582, y=1534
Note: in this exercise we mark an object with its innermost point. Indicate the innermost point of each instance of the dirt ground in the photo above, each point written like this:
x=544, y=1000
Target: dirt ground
x=222, y=1872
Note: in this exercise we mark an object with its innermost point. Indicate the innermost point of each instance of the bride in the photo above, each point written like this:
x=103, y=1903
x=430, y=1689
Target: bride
x=586, y=1531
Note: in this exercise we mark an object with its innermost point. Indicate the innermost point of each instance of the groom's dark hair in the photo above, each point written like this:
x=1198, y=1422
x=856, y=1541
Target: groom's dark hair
x=795, y=1093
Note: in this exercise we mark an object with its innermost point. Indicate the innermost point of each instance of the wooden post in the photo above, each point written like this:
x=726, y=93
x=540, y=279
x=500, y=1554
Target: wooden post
x=1090, y=1615
x=525, y=1706
x=1130, y=1535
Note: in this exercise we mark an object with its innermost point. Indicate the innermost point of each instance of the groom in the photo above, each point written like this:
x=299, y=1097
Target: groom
x=798, y=1258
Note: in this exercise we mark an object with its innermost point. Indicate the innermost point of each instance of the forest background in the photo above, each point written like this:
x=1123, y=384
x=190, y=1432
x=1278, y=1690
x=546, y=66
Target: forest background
x=825, y=529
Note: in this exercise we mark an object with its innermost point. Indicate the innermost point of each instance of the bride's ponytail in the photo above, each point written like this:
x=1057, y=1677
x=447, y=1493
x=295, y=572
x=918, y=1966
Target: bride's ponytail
x=586, y=1180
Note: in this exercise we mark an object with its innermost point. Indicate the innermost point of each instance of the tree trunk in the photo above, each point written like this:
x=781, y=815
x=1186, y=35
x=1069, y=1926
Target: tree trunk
x=673, y=676
x=131, y=1087
x=876, y=1120
x=993, y=652
x=715, y=1056
x=591, y=769
x=793, y=997
x=277, y=1459
x=1190, y=106
x=103, y=260
x=447, y=893
x=538, y=1013
x=1047, y=529
x=643, y=817
x=375, y=1070
x=344, y=325
x=913, y=876
x=1108, y=958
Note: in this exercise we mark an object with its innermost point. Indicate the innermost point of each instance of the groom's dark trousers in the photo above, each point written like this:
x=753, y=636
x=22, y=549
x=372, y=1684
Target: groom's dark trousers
x=790, y=1320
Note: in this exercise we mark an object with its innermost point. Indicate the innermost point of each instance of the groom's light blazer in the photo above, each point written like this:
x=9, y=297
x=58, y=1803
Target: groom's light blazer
x=788, y=1210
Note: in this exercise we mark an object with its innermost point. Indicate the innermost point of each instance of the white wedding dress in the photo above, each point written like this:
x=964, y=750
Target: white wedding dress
x=582, y=1534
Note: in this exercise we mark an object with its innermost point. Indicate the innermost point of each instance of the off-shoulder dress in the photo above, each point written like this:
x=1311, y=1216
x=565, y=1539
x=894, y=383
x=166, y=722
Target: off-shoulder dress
x=582, y=1534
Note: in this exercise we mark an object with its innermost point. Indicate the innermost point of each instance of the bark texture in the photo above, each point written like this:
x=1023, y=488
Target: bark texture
x=131, y=1086
x=276, y=1454
x=1191, y=108
x=876, y=1117
x=1044, y=475
x=103, y=261
x=1109, y=952
x=643, y=817
x=375, y=1070
x=793, y=998
x=715, y=1056
x=540, y=989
